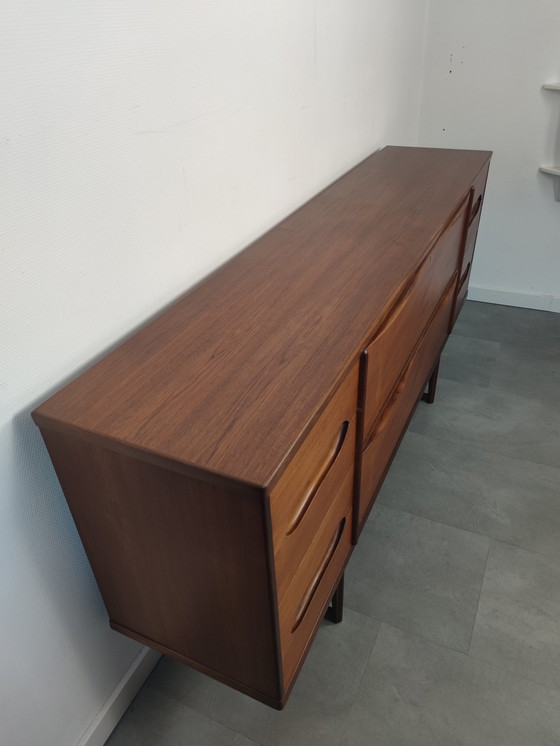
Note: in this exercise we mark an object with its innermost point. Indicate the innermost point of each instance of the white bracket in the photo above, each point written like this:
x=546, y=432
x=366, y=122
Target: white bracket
x=554, y=171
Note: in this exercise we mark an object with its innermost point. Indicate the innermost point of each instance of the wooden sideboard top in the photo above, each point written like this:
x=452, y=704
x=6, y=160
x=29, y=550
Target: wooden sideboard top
x=230, y=378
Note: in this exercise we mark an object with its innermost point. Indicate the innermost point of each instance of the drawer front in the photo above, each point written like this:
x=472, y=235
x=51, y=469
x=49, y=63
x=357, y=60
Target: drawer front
x=335, y=491
x=392, y=344
x=302, y=606
x=328, y=444
x=461, y=294
x=470, y=243
x=384, y=438
x=474, y=220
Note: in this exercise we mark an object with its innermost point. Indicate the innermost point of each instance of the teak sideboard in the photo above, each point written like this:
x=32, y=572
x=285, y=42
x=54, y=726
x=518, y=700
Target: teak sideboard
x=220, y=464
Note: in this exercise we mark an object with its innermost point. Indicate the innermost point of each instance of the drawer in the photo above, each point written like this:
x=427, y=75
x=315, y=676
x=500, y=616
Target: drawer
x=328, y=443
x=393, y=342
x=474, y=220
x=462, y=293
x=335, y=491
x=303, y=604
x=469, y=250
x=382, y=441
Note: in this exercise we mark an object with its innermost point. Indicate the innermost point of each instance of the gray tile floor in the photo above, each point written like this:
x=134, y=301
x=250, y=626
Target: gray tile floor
x=451, y=631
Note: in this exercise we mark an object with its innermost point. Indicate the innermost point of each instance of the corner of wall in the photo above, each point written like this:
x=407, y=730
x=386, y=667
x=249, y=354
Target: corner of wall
x=116, y=705
x=422, y=66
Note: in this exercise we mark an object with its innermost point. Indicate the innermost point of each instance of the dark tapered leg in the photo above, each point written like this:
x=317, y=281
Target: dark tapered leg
x=334, y=612
x=430, y=394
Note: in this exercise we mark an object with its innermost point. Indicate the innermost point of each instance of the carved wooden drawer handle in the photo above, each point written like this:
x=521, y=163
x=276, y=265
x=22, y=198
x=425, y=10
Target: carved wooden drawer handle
x=476, y=208
x=308, y=596
x=386, y=414
x=398, y=306
x=464, y=277
x=317, y=481
x=385, y=417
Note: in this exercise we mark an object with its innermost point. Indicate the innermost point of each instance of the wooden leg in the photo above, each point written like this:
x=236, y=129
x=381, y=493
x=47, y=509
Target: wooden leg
x=334, y=612
x=430, y=394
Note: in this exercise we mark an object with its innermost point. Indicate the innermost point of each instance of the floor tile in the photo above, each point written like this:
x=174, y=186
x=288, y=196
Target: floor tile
x=419, y=575
x=469, y=359
x=492, y=420
x=508, y=499
x=532, y=370
x=518, y=621
x=154, y=719
x=416, y=693
x=320, y=701
x=507, y=323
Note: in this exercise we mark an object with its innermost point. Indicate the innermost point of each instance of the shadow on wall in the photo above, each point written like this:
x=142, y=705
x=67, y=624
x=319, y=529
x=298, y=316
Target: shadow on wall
x=46, y=531
x=44, y=524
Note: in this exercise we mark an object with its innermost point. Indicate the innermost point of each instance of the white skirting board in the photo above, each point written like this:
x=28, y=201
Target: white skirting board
x=514, y=298
x=114, y=708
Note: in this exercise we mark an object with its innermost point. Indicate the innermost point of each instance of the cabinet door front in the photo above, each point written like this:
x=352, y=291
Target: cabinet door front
x=383, y=439
x=394, y=340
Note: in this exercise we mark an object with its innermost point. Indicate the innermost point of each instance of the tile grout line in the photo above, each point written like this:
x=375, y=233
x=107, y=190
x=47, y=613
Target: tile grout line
x=359, y=685
x=408, y=632
x=479, y=449
x=478, y=600
x=448, y=525
x=483, y=661
x=553, y=559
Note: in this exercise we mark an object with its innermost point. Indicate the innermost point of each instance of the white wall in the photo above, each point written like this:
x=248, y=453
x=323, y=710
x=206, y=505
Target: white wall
x=486, y=62
x=142, y=144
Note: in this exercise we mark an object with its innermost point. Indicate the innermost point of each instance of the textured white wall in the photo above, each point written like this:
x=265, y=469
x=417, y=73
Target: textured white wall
x=142, y=144
x=485, y=64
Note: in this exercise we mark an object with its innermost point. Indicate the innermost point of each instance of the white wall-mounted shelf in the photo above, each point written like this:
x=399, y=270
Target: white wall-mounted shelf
x=553, y=170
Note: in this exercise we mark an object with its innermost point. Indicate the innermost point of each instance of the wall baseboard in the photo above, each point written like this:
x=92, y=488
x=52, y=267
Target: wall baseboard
x=114, y=708
x=514, y=298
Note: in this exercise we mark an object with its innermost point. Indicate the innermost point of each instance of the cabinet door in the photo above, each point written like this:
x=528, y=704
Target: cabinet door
x=397, y=335
x=477, y=201
x=381, y=443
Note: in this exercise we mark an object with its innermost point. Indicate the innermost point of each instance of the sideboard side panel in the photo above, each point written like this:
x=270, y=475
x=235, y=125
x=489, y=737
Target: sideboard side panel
x=178, y=561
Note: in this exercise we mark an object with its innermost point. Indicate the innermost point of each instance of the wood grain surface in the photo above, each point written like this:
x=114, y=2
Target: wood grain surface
x=298, y=304
x=179, y=562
